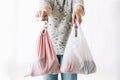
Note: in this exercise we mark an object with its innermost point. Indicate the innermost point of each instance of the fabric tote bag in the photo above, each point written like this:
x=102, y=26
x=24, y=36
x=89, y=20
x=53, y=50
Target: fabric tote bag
x=77, y=56
x=46, y=62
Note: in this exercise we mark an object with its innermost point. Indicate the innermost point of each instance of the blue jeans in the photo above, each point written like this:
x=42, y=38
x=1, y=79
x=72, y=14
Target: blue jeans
x=64, y=76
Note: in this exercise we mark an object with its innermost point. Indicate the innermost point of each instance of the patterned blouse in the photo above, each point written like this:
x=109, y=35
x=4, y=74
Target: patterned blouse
x=58, y=21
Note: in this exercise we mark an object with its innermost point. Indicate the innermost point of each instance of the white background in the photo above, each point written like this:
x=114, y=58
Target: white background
x=19, y=30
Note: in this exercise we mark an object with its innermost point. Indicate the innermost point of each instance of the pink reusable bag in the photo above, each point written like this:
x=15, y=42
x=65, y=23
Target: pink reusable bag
x=46, y=62
x=77, y=56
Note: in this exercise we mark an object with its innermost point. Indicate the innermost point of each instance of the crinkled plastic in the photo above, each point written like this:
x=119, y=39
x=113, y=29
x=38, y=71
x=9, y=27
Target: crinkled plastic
x=47, y=62
x=77, y=56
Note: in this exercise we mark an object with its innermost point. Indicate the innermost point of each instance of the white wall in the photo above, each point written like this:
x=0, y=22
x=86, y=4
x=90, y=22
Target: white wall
x=100, y=25
x=7, y=39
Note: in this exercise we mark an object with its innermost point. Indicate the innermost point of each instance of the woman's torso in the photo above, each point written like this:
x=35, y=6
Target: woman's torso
x=58, y=24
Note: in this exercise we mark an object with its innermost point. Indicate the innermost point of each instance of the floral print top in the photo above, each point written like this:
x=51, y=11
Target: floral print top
x=58, y=22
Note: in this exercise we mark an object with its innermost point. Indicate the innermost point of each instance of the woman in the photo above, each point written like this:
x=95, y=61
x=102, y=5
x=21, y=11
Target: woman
x=60, y=14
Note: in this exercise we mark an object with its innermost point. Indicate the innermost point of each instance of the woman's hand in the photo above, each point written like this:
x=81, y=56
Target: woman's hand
x=77, y=15
x=43, y=13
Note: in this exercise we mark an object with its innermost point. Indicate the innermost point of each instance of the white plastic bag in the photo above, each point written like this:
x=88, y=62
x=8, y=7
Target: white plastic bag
x=77, y=56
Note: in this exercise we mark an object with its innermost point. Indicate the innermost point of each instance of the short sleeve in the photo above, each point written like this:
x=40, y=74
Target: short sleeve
x=48, y=2
x=79, y=2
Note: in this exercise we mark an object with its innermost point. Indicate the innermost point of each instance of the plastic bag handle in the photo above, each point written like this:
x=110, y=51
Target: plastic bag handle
x=44, y=23
x=78, y=25
x=76, y=32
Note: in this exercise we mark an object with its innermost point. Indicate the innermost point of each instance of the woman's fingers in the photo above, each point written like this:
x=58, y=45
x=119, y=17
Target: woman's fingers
x=42, y=15
x=73, y=18
x=73, y=24
x=76, y=17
